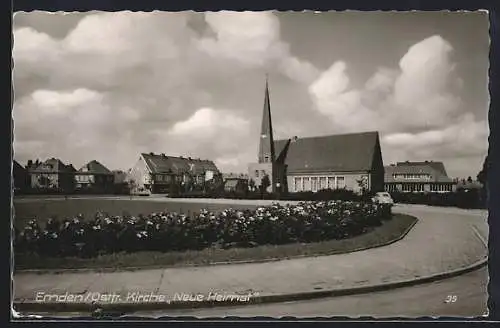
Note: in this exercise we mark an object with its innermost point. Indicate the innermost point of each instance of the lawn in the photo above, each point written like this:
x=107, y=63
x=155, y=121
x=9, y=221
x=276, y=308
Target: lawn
x=390, y=231
x=43, y=209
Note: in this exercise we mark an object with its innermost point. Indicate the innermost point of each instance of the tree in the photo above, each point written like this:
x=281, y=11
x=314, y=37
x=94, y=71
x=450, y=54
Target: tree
x=251, y=184
x=132, y=185
x=363, y=184
x=264, y=184
x=482, y=176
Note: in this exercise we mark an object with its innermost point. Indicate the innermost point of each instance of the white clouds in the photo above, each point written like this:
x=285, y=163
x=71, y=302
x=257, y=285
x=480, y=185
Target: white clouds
x=253, y=39
x=422, y=89
x=423, y=96
x=209, y=131
x=28, y=42
x=207, y=122
x=333, y=98
x=52, y=100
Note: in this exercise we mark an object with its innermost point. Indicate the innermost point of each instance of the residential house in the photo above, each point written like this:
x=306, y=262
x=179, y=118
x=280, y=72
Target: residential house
x=51, y=175
x=346, y=161
x=94, y=177
x=427, y=176
x=20, y=177
x=236, y=182
x=159, y=172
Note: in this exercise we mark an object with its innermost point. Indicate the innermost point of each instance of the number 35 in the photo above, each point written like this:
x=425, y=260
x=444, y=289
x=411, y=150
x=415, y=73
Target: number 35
x=451, y=299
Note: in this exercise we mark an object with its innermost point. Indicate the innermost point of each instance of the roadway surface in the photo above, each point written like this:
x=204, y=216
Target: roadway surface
x=466, y=294
x=467, y=297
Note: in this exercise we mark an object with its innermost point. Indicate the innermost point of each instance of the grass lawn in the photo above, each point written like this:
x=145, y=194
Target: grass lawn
x=43, y=209
x=389, y=231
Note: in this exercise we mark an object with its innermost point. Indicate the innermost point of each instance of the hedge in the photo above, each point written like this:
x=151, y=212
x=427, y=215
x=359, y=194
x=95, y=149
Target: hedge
x=276, y=224
x=470, y=199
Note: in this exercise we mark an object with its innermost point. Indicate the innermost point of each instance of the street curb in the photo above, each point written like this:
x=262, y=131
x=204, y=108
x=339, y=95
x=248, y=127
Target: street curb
x=194, y=265
x=122, y=308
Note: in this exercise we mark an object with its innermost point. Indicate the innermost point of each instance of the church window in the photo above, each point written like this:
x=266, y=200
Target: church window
x=306, y=184
x=314, y=184
x=322, y=183
x=340, y=183
x=331, y=183
x=297, y=184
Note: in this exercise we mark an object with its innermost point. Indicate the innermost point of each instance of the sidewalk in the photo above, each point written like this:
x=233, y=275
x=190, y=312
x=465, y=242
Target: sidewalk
x=440, y=242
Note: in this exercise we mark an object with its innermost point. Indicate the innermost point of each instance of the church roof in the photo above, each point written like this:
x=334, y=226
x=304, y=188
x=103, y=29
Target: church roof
x=352, y=152
x=161, y=163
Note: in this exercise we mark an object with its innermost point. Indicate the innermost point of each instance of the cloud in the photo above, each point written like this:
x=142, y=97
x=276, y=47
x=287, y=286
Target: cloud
x=422, y=96
x=209, y=131
x=253, y=39
x=74, y=124
x=423, y=88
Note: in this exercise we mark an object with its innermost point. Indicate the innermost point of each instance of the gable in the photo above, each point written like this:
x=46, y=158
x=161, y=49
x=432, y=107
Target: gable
x=339, y=153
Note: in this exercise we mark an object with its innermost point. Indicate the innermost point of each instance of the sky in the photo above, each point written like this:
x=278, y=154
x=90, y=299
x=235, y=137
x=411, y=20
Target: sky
x=108, y=86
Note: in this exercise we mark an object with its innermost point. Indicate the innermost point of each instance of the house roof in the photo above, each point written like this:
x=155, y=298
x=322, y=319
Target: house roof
x=178, y=165
x=436, y=171
x=17, y=168
x=352, y=152
x=438, y=166
x=53, y=165
x=94, y=167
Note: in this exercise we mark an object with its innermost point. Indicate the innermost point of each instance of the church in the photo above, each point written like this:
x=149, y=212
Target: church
x=343, y=161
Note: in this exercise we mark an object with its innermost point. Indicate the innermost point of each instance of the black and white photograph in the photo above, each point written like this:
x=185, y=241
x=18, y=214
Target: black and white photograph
x=250, y=164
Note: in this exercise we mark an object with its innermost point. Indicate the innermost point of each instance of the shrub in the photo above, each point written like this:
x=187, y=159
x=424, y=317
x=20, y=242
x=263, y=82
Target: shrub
x=276, y=224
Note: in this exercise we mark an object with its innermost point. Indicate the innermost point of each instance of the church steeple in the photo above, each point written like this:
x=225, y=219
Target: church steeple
x=266, y=146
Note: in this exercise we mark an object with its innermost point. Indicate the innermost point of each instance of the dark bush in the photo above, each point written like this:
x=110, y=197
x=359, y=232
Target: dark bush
x=276, y=224
x=468, y=199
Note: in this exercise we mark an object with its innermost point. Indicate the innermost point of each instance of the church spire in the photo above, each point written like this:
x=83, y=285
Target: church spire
x=266, y=146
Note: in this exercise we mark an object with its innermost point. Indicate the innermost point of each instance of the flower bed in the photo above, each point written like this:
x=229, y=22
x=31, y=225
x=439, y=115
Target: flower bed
x=274, y=225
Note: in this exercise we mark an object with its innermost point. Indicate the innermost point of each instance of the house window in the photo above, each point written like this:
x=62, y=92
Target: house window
x=256, y=173
x=262, y=172
x=322, y=183
x=159, y=177
x=340, y=183
x=314, y=184
x=266, y=158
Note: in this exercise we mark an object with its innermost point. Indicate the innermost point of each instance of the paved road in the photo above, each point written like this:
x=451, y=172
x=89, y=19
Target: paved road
x=468, y=295
x=469, y=292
